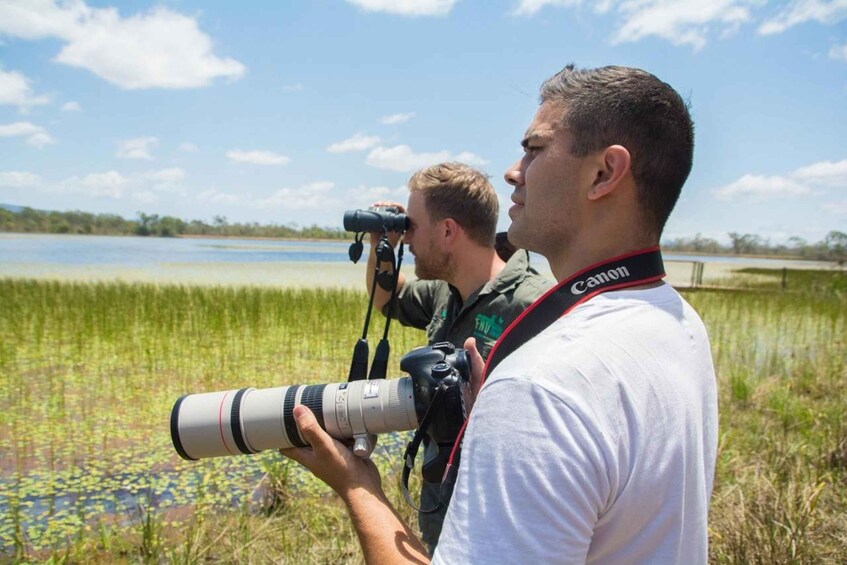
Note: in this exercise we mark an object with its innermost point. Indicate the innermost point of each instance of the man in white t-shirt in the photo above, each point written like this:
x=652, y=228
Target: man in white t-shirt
x=594, y=441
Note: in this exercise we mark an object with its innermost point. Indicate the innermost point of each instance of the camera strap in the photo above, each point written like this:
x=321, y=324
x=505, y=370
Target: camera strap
x=633, y=269
x=412, y=451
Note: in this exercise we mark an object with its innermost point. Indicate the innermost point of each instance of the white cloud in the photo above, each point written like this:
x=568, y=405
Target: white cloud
x=145, y=197
x=35, y=135
x=257, y=157
x=692, y=22
x=401, y=158
x=364, y=196
x=110, y=184
x=188, y=147
x=805, y=180
x=108, y=180
x=167, y=179
x=825, y=173
x=16, y=91
x=18, y=179
x=682, y=22
x=297, y=87
x=157, y=49
x=71, y=107
x=312, y=196
x=838, y=52
x=837, y=208
x=531, y=7
x=801, y=11
x=41, y=19
x=136, y=148
x=407, y=7
x=215, y=196
x=762, y=188
x=359, y=142
x=393, y=119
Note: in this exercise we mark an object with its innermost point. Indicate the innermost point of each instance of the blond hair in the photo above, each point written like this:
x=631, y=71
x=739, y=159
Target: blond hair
x=460, y=192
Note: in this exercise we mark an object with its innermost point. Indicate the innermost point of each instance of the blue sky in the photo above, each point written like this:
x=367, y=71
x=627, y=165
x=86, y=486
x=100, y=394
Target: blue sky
x=294, y=111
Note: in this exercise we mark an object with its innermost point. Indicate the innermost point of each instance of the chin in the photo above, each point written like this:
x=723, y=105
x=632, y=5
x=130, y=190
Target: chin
x=514, y=233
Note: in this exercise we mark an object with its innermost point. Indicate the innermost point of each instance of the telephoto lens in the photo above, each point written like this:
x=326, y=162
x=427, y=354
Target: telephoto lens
x=250, y=420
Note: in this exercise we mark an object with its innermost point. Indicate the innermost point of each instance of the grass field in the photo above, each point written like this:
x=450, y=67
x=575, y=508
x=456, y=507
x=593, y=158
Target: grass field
x=89, y=372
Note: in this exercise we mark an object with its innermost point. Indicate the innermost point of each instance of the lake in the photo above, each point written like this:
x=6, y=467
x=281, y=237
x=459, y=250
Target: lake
x=230, y=261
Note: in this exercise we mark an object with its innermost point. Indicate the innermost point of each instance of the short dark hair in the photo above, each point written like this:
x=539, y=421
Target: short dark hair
x=460, y=192
x=630, y=107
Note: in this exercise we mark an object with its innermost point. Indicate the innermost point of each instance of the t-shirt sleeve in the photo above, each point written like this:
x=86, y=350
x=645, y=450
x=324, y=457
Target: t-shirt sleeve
x=532, y=481
x=415, y=303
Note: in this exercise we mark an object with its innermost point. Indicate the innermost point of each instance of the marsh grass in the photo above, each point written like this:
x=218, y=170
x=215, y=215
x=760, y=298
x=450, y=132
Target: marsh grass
x=89, y=372
x=804, y=281
x=780, y=490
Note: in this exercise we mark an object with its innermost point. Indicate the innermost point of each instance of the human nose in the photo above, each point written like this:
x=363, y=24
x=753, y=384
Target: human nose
x=514, y=174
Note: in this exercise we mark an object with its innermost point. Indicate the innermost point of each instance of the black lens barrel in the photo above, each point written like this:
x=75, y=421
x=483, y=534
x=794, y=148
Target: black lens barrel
x=374, y=220
x=175, y=430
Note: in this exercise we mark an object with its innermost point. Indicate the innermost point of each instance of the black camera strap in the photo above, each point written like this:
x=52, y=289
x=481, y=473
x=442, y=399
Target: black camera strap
x=637, y=268
x=412, y=451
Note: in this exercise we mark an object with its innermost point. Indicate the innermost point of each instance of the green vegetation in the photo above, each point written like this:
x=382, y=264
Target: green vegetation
x=832, y=248
x=795, y=280
x=28, y=220
x=89, y=372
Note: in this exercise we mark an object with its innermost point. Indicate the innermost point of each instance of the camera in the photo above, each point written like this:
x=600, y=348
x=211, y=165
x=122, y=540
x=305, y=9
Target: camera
x=250, y=420
x=380, y=218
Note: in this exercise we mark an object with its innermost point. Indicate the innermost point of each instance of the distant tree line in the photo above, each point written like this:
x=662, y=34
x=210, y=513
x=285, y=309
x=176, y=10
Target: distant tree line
x=832, y=248
x=29, y=220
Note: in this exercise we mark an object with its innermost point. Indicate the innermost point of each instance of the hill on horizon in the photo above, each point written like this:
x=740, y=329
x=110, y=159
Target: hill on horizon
x=12, y=207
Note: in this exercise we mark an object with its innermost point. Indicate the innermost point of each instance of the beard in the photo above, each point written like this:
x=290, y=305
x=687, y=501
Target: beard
x=434, y=266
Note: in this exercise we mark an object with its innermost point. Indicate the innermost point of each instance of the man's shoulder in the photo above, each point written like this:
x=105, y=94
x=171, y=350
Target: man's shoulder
x=518, y=277
x=425, y=287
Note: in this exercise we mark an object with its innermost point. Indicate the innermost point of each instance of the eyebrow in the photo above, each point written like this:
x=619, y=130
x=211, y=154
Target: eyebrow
x=534, y=135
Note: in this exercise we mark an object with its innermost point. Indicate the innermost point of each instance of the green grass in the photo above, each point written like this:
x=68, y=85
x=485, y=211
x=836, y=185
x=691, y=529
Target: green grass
x=89, y=372
x=781, y=486
x=804, y=281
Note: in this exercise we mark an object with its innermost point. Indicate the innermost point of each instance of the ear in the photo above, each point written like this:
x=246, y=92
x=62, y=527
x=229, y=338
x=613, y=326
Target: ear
x=450, y=230
x=613, y=168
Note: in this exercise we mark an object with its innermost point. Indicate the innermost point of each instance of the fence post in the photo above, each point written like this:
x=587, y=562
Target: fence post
x=784, y=278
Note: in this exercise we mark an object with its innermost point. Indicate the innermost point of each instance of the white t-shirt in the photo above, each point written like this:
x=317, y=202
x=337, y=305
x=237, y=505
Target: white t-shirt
x=593, y=442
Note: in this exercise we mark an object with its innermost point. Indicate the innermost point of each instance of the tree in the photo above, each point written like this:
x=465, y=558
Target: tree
x=746, y=243
x=836, y=246
x=146, y=223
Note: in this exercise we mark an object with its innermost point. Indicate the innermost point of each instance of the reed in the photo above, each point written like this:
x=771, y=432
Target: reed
x=89, y=372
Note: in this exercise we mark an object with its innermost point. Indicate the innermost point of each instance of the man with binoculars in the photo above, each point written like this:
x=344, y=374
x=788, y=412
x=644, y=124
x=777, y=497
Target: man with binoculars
x=466, y=286
x=594, y=436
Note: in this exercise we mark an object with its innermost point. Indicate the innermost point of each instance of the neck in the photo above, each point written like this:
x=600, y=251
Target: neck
x=591, y=250
x=474, y=268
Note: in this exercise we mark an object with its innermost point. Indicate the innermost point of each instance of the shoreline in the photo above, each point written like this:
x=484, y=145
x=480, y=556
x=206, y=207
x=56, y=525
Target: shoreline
x=716, y=256
x=326, y=275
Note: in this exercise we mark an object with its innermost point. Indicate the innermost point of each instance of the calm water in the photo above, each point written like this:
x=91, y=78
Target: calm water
x=139, y=252
x=181, y=261
x=244, y=261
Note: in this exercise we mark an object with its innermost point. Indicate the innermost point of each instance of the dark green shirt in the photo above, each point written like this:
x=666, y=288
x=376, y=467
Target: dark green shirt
x=437, y=307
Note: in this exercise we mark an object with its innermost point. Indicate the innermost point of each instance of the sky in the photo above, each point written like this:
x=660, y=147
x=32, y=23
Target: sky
x=291, y=112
